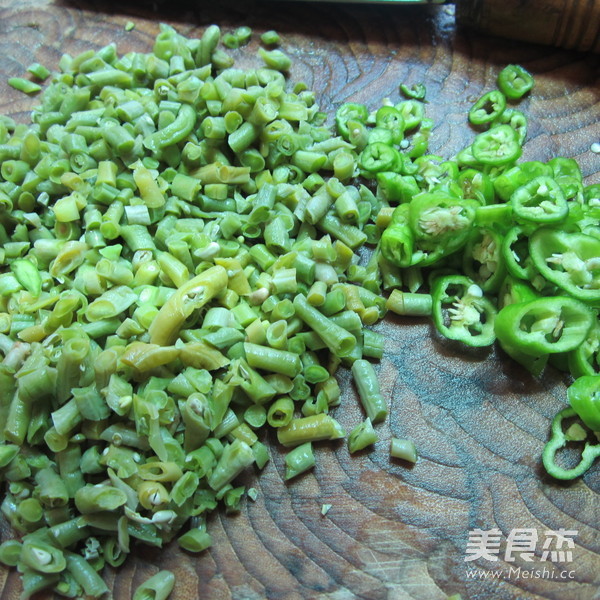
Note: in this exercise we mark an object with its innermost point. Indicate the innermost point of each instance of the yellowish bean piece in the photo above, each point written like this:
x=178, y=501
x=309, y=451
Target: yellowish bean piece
x=190, y=296
x=143, y=357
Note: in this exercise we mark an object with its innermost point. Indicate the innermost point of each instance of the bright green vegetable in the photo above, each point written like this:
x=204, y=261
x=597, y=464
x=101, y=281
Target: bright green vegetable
x=236, y=457
x=378, y=156
x=336, y=338
x=570, y=260
x=183, y=262
x=584, y=397
x=406, y=303
x=585, y=359
x=368, y=390
x=514, y=81
x=42, y=557
x=275, y=59
x=540, y=201
x=499, y=146
x=299, y=460
x=347, y=114
x=559, y=440
x=488, y=108
x=157, y=587
x=404, y=449
x=416, y=91
x=270, y=38
x=461, y=311
x=24, y=85
x=543, y=326
x=361, y=436
x=309, y=429
x=39, y=71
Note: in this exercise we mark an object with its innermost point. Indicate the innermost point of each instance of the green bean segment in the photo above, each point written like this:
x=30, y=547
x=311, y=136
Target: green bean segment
x=404, y=449
x=299, y=460
x=157, y=587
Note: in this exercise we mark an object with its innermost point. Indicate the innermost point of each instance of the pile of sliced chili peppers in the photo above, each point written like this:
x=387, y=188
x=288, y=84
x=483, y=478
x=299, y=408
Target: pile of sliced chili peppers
x=510, y=251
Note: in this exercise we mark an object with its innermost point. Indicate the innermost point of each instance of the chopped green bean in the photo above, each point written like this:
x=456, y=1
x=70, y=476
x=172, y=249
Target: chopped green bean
x=24, y=85
x=309, y=429
x=368, y=390
x=404, y=449
x=299, y=460
x=39, y=71
x=157, y=587
x=361, y=436
x=270, y=38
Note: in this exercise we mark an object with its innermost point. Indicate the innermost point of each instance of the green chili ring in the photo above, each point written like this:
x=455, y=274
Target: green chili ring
x=559, y=440
x=497, y=147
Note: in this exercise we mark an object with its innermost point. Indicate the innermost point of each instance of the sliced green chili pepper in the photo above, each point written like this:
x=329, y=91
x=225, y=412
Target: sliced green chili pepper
x=465, y=158
x=488, y=108
x=515, y=251
x=582, y=218
x=559, y=440
x=431, y=226
x=514, y=81
x=507, y=182
x=417, y=91
x=568, y=176
x=439, y=173
x=441, y=224
x=497, y=147
x=412, y=112
x=380, y=134
x=585, y=359
x=516, y=120
x=584, y=397
x=476, y=185
x=378, y=156
x=514, y=290
x=461, y=311
x=349, y=112
x=389, y=118
x=543, y=326
x=591, y=195
x=496, y=216
x=397, y=240
x=397, y=188
x=483, y=259
x=419, y=142
x=539, y=201
x=569, y=260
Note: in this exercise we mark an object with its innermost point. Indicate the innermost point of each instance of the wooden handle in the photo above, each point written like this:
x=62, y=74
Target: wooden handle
x=573, y=24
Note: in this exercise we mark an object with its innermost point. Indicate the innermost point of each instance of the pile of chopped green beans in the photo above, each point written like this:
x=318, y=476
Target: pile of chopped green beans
x=189, y=254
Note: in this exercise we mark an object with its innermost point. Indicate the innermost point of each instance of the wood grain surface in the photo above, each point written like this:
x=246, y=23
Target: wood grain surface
x=480, y=421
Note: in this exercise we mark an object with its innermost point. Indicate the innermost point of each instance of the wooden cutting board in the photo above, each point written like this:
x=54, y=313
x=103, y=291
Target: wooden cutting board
x=479, y=421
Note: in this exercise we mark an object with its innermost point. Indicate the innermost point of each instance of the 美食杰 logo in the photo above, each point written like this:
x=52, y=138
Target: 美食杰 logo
x=542, y=555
